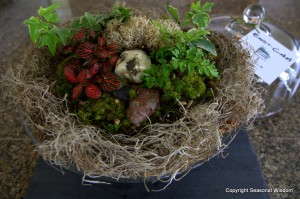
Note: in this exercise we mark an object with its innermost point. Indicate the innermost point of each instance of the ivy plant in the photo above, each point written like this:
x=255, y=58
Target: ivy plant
x=44, y=31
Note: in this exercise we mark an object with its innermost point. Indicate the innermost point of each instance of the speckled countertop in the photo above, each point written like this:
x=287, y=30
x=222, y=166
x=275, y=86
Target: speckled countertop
x=276, y=139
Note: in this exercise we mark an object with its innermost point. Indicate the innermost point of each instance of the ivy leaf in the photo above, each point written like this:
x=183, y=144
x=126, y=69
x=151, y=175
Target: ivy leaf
x=187, y=18
x=205, y=44
x=121, y=13
x=173, y=12
x=46, y=11
x=63, y=35
x=52, y=18
x=196, y=6
x=84, y=23
x=49, y=40
x=75, y=25
x=90, y=19
x=201, y=20
x=34, y=28
x=207, y=6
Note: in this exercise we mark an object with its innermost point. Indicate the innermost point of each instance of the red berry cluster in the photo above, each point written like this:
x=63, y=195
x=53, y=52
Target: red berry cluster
x=91, y=65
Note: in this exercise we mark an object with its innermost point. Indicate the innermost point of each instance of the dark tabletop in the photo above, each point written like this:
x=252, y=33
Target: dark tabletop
x=239, y=170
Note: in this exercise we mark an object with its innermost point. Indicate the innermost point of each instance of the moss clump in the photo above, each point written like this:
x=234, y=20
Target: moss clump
x=189, y=87
x=106, y=112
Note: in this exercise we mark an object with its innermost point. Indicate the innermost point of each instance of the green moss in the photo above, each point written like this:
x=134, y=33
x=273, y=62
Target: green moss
x=105, y=112
x=193, y=86
x=189, y=87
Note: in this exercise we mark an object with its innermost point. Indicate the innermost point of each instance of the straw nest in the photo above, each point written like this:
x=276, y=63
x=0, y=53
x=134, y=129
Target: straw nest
x=158, y=149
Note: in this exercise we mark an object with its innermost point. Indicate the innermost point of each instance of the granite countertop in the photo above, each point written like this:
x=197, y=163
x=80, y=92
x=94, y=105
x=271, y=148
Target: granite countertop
x=274, y=138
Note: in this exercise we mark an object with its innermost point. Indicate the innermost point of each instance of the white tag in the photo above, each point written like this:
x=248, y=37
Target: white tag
x=272, y=57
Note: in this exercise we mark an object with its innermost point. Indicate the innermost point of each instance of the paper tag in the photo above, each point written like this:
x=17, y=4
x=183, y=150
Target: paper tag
x=272, y=57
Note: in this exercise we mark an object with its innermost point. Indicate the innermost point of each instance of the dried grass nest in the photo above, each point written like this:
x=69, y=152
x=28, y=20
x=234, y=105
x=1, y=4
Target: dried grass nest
x=158, y=149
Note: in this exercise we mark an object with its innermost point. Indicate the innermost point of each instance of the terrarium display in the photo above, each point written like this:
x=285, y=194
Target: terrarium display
x=125, y=96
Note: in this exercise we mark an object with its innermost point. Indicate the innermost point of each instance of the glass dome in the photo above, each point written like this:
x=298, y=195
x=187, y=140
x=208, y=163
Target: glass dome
x=280, y=92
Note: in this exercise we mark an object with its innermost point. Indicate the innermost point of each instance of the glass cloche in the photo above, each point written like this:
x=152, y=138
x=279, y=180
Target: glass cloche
x=280, y=92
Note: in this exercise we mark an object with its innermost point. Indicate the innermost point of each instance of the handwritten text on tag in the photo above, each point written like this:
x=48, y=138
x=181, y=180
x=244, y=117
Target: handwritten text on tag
x=272, y=57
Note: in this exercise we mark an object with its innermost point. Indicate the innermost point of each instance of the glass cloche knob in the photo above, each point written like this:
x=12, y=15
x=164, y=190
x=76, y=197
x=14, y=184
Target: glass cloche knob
x=254, y=14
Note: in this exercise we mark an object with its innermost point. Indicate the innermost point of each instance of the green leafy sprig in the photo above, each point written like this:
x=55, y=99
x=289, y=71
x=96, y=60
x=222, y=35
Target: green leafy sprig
x=197, y=15
x=44, y=31
x=190, y=53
